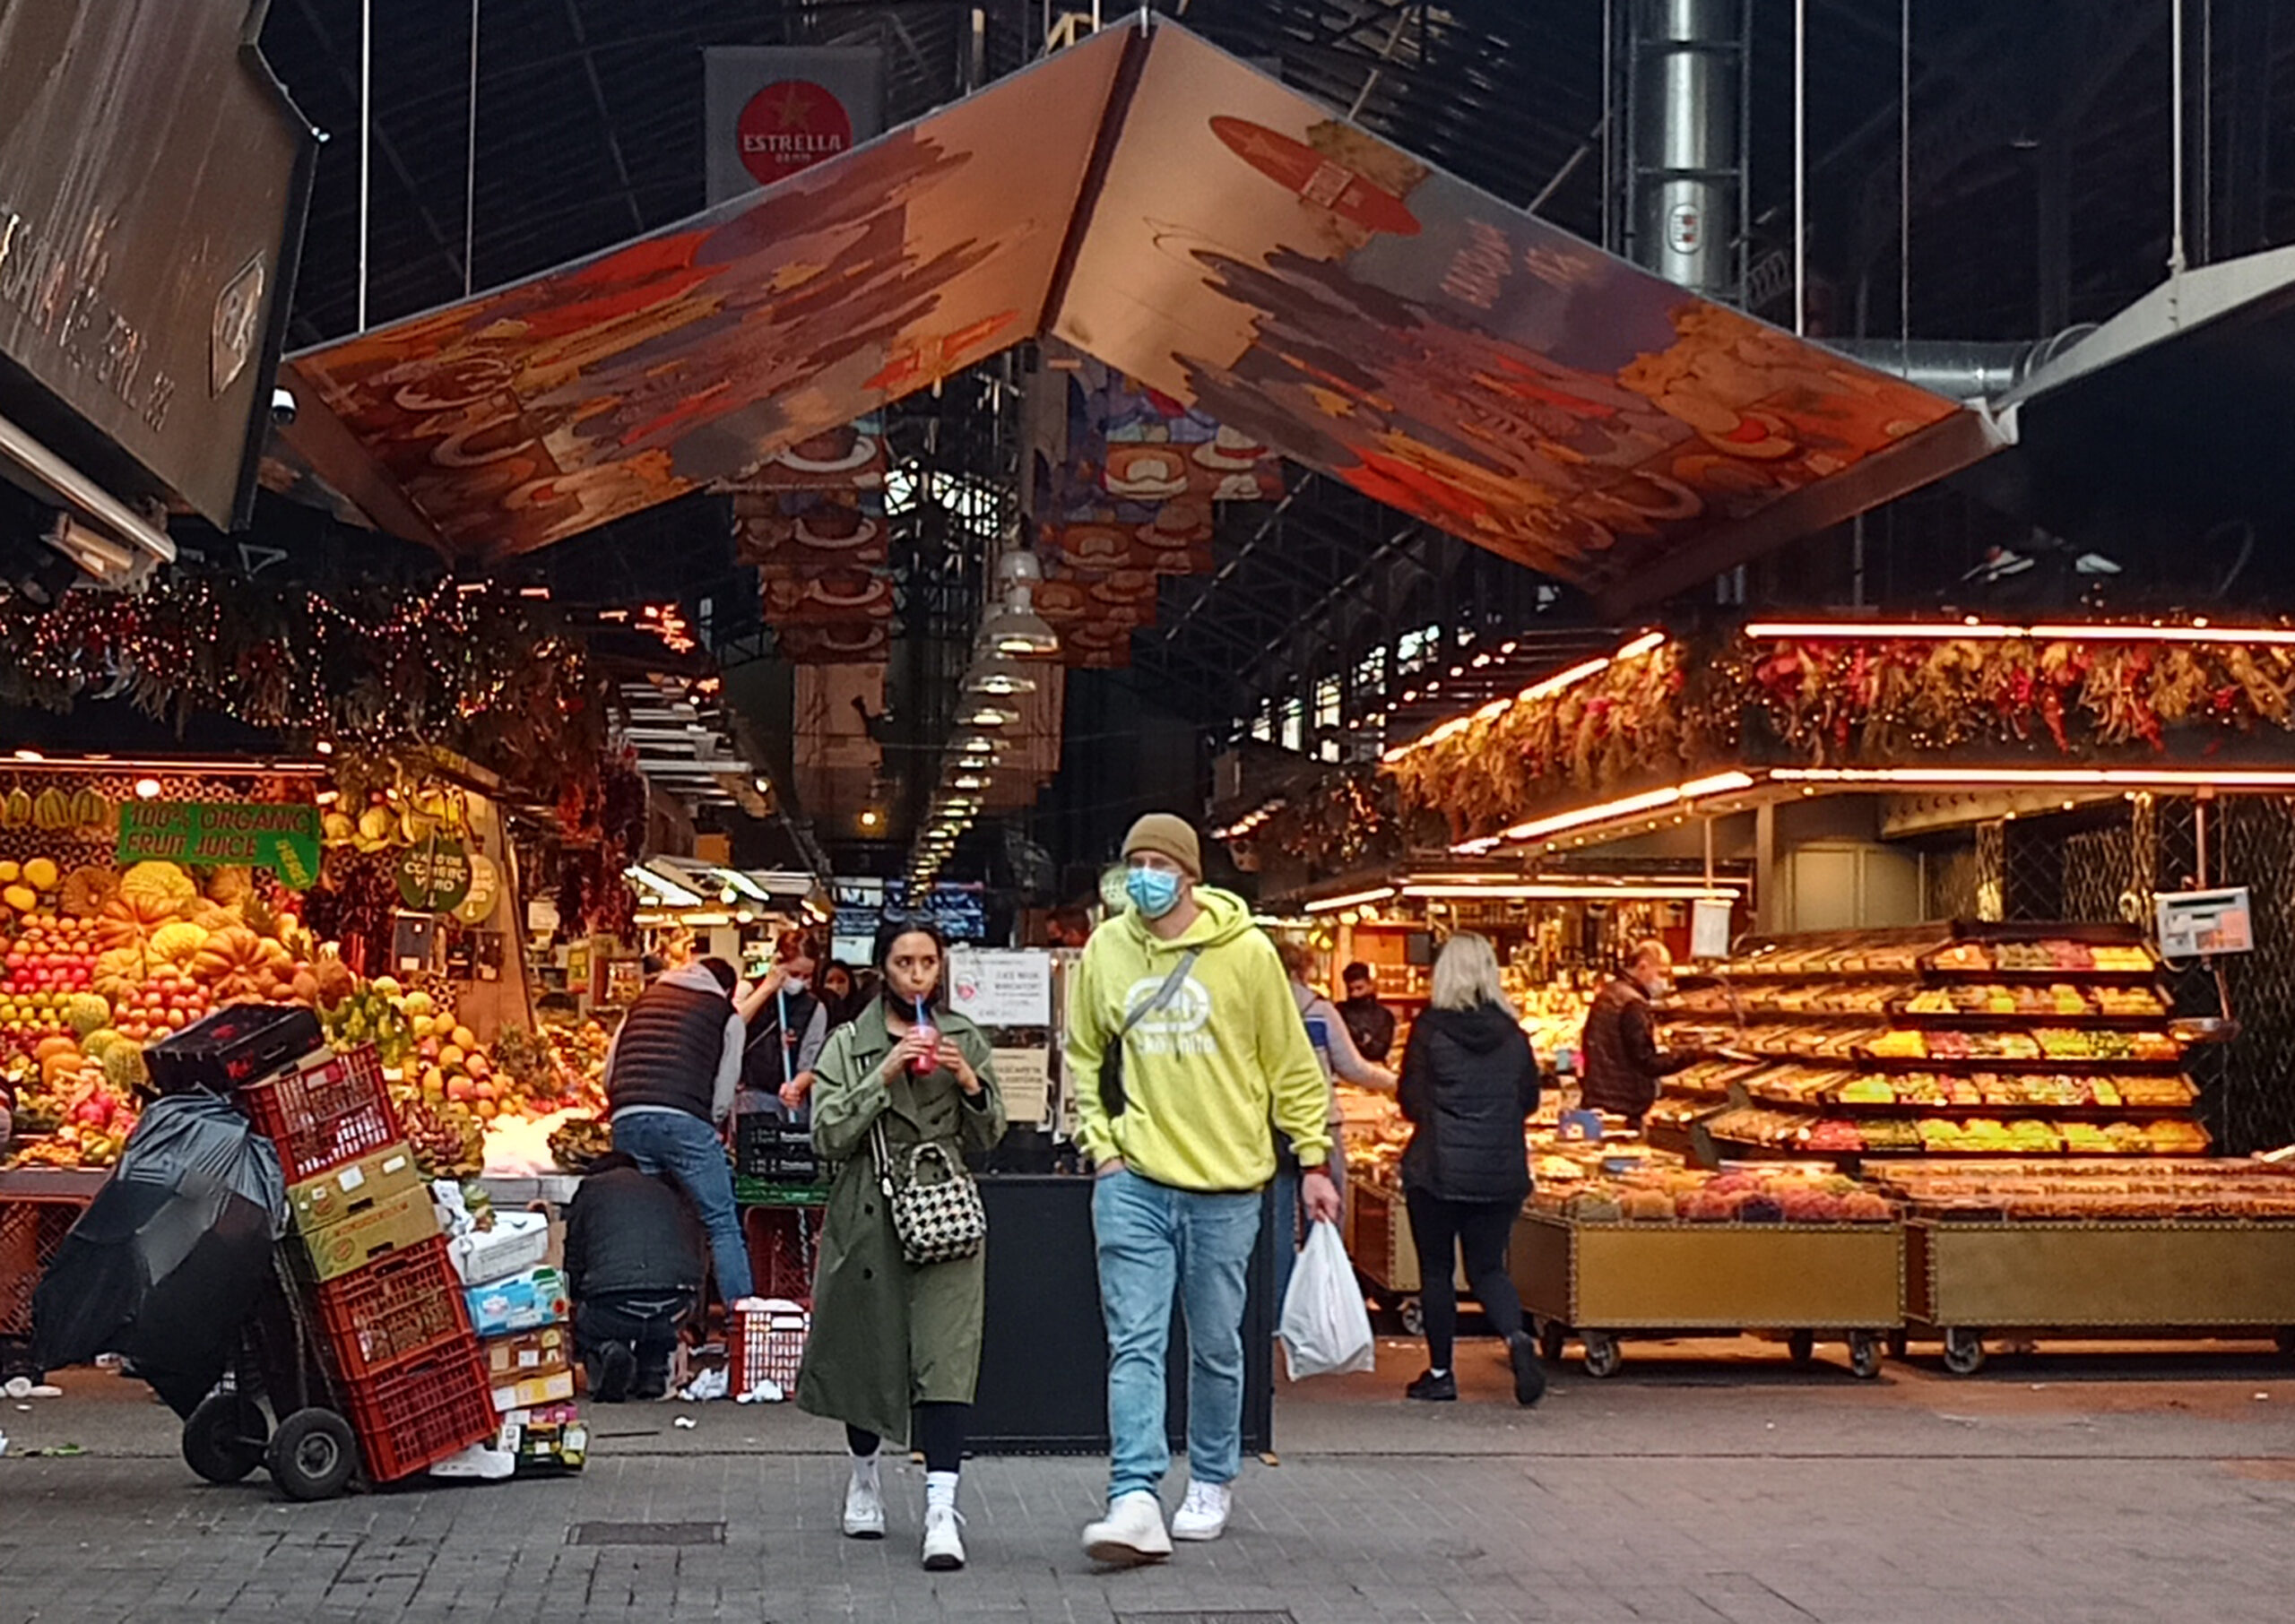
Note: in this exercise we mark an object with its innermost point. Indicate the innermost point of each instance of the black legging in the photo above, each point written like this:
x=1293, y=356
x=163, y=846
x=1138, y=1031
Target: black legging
x=939, y=1434
x=1440, y=1230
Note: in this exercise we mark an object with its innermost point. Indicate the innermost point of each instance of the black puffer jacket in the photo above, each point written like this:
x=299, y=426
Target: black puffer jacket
x=1468, y=1080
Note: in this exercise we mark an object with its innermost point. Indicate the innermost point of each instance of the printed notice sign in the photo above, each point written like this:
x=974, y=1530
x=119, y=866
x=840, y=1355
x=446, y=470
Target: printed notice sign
x=218, y=834
x=1024, y=1078
x=1001, y=987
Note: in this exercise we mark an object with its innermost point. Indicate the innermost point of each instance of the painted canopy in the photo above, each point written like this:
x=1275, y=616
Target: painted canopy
x=1180, y=217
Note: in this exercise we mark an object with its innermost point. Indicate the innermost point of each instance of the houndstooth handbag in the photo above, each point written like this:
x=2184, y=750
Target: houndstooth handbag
x=935, y=1214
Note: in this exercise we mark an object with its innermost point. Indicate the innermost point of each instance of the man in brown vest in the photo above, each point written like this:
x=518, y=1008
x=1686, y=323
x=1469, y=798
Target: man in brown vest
x=670, y=1078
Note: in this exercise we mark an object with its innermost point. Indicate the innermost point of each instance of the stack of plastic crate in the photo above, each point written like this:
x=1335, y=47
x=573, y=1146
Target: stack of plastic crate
x=367, y=1252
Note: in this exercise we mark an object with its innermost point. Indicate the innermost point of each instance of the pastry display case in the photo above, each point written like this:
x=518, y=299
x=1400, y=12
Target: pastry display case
x=1965, y=1040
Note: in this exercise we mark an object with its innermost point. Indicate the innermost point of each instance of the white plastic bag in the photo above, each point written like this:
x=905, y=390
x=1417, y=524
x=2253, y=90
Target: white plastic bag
x=1326, y=1330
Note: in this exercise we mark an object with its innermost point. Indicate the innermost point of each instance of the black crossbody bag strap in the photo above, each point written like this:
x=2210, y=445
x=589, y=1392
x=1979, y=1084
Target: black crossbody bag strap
x=1112, y=1095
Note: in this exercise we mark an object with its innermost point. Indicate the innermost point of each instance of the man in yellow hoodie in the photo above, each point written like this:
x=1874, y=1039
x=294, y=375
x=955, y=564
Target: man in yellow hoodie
x=1214, y=1059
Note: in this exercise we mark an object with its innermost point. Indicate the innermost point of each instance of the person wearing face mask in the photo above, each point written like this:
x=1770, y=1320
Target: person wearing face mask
x=786, y=1024
x=1624, y=1064
x=1191, y=995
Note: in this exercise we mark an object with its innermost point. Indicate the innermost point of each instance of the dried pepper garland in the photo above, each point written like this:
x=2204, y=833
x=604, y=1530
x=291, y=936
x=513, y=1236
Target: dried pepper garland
x=1879, y=701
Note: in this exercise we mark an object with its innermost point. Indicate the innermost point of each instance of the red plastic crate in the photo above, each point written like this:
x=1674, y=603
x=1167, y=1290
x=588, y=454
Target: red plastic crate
x=399, y=1308
x=783, y=1247
x=766, y=1345
x=324, y=1115
x=421, y=1412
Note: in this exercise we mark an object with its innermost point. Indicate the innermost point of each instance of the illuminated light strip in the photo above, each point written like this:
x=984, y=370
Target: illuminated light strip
x=2197, y=632
x=2040, y=778
x=1613, y=881
x=1332, y=905
x=1648, y=643
x=664, y=887
x=743, y=883
x=1561, y=893
x=217, y=766
x=1650, y=800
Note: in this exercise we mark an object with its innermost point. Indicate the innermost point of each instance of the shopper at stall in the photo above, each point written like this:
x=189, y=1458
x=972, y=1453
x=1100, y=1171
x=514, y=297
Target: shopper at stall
x=671, y=1075
x=1624, y=1064
x=893, y=1339
x=786, y=1023
x=1186, y=1001
x=1327, y=1035
x=635, y=1263
x=1371, y=1023
x=1067, y=928
x=838, y=994
x=1469, y=1081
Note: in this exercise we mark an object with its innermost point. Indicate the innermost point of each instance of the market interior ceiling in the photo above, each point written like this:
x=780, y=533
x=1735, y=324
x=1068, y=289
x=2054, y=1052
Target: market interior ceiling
x=2038, y=198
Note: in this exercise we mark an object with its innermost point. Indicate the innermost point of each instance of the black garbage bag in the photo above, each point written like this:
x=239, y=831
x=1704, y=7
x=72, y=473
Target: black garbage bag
x=168, y=1259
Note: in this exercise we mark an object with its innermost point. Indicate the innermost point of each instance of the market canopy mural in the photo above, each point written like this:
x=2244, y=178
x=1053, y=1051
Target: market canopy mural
x=1237, y=255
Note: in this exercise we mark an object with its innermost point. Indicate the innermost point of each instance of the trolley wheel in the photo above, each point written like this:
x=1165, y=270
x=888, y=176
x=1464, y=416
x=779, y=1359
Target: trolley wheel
x=1863, y=1355
x=1963, y=1351
x=1603, y=1356
x=223, y=1438
x=1554, y=1338
x=1414, y=1316
x=1802, y=1345
x=313, y=1455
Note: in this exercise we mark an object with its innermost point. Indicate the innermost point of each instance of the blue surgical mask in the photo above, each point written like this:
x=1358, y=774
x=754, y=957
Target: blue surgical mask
x=1152, y=891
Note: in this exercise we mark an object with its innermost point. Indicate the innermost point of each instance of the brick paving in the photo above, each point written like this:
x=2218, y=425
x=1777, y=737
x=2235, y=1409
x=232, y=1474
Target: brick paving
x=2077, y=1489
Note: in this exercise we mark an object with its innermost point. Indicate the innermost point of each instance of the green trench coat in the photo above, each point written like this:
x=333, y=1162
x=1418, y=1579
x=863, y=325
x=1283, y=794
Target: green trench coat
x=887, y=1333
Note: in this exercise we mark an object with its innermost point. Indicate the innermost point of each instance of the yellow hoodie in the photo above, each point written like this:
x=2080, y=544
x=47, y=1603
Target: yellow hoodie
x=1209, y=1076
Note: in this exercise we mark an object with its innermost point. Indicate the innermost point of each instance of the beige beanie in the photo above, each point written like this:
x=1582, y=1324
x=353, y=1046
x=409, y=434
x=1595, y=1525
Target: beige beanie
x=1169, y=837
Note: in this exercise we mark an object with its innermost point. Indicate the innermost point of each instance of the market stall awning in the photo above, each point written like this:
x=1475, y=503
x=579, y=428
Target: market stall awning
x=1174, y=213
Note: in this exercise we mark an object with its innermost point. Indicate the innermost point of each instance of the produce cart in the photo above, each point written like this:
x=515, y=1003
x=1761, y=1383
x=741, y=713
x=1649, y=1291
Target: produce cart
x=2175, y=1279
x=1601, y=1282
x=38, y=1207
x=1377, y=1233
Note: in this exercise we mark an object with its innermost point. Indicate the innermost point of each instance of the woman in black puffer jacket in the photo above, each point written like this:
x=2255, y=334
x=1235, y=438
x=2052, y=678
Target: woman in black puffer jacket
x=1468, y=1082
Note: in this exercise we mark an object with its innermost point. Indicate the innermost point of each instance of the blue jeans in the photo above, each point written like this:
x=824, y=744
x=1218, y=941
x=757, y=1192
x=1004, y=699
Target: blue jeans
x=689, y=1150
x=1154, y=1241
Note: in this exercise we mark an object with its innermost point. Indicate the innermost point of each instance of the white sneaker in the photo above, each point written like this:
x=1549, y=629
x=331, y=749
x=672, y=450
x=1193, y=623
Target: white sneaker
x=1203, y=1515
x=864, y=1510
x=1132, y=1533
x=944, y=1547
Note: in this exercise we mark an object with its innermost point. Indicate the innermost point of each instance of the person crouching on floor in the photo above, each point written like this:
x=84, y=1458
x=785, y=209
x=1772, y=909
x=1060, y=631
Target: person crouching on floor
x=634, y=1262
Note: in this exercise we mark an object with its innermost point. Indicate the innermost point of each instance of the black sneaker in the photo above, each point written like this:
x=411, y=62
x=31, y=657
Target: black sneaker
x=1529, y=1374
x=1431, y=1388
x=653, y=1381
x=615, y=1366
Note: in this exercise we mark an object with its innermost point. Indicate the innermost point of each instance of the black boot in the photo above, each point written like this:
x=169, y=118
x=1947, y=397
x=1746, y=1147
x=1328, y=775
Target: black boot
x=1529, y=1374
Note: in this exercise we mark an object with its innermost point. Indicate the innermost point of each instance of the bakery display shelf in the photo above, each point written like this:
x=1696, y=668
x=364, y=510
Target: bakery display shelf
x=1867, y=1060
x=1971, y=1020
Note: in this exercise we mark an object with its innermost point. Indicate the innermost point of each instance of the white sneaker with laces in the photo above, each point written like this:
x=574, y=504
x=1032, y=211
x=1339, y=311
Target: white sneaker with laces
x=944, y=1547
x=1203, y=1515
x=1130, y=1535
x=864, y=1509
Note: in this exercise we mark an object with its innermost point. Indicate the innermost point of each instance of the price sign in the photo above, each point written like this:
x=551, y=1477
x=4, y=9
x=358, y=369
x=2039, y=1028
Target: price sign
x=2196, y=924
x=434, y=876
x=994, y=988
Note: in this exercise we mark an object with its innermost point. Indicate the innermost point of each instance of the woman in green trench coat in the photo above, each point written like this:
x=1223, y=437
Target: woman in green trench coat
x=891, y=1338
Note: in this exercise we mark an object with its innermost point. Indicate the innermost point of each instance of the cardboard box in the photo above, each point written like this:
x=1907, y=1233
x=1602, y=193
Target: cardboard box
x=403, y=1220
x=523, y=1302
x=517, y=1242
x=352, y=1188
x=534, y=1390
x=542, y=1351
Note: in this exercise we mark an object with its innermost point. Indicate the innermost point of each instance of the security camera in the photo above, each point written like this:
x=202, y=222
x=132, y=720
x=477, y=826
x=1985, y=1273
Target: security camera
x=282, y=407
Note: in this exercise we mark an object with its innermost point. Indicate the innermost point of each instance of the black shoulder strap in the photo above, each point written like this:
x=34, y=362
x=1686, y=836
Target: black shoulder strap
x=1171, y=984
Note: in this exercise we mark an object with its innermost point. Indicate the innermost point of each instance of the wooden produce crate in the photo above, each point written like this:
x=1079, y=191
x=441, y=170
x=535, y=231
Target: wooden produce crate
x=1598, y=1282
x=1378, y=1238
x=2137, y=1279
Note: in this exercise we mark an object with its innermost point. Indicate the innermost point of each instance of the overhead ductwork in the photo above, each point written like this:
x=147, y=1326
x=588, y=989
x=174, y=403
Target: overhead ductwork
x=1960, y=369
x=1685, y=88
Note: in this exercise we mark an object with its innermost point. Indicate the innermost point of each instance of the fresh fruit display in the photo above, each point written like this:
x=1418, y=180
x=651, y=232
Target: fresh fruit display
x=2123, y=1190
x=1672, y=1193
x=447, y=1141
x=370, y=1015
